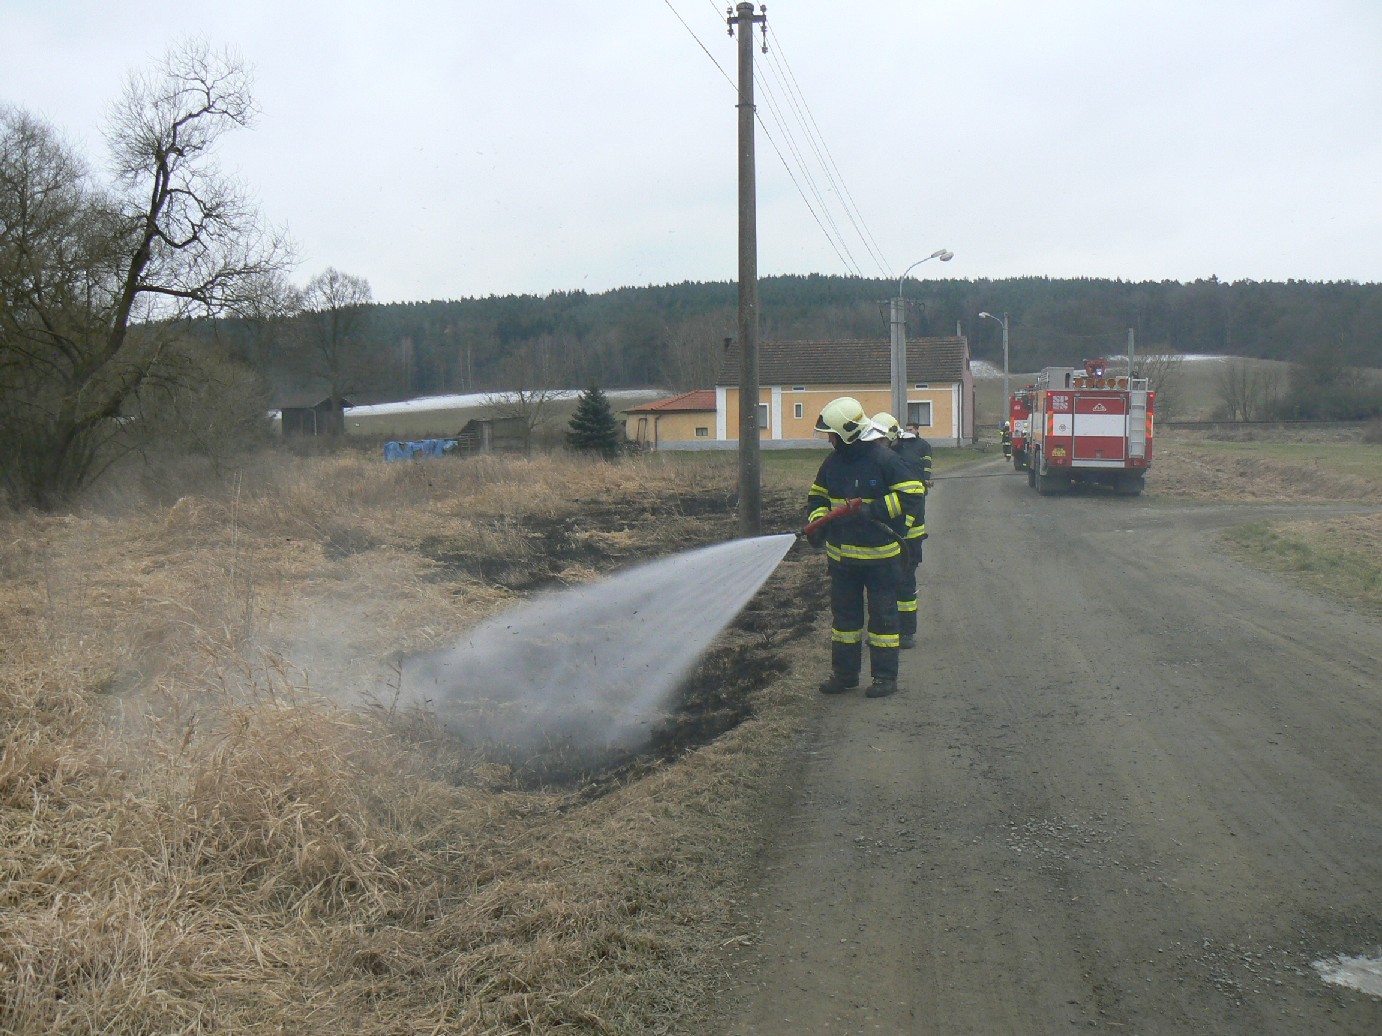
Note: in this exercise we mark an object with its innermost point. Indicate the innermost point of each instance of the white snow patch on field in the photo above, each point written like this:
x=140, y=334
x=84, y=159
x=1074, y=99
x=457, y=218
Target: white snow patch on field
x=985, y=369
x=424, y=404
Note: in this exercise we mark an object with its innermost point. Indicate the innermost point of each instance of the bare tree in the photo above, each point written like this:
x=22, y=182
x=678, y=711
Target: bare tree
x=335, y=314
x=1240, y=394
x=98, y=281
x=695, y=351
x=1162, y=367
x=530, y=376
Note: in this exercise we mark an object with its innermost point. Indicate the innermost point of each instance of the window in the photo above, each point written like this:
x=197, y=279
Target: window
x=797, y=411
x=798, y=388
x=762, y=415
x=919, y=413
x=702, y=432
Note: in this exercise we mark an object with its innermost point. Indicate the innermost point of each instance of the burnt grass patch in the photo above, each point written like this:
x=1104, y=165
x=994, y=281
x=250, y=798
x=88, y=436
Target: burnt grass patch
x=547, y=546
x=720, y=692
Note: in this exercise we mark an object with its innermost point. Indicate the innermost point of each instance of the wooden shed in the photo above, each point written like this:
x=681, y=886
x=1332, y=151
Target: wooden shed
x=321, y=418
x=494, y=435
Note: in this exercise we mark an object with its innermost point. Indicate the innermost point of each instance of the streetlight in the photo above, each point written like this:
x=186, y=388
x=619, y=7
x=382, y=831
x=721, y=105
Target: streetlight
x=1004, y=322
x=899, y=337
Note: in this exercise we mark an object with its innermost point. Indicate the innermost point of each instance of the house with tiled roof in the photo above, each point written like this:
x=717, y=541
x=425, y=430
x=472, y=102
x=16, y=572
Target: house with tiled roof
x=797, y=379
x=687, y=418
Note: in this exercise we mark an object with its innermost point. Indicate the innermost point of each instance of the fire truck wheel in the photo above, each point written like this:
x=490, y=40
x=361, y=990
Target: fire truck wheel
x=1131, y=485
x=1048, y=483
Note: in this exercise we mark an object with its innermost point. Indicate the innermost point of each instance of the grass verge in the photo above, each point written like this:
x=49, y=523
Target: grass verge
x=1340, y=558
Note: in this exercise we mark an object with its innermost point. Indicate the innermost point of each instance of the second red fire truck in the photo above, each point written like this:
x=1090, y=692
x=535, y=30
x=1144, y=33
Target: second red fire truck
x=1019, y=412
x=1084, y=425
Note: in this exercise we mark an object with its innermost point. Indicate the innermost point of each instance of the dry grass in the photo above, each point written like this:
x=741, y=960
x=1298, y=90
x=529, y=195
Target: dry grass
x=214, y=820
x=1186, y=467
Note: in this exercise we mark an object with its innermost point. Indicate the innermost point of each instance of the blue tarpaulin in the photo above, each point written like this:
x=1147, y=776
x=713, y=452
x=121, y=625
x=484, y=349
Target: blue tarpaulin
x=419, y=448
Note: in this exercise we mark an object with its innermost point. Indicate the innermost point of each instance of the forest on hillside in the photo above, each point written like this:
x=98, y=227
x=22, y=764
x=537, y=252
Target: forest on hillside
x=672, y=336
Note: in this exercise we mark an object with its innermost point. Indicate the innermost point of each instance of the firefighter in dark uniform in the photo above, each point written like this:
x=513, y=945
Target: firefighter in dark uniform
x=863, y=549
x=916, y=451
x=906, y=446
x=1005, y=434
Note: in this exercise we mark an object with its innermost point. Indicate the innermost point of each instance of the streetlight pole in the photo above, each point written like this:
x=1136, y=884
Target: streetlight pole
x=1004, y=322
x=899, y=337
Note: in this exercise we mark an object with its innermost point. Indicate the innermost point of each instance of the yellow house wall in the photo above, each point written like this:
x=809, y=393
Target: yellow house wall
x=814, y=398
x=676, y=426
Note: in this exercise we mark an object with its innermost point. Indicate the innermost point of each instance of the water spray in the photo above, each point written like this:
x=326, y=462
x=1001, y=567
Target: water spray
x=591, y=670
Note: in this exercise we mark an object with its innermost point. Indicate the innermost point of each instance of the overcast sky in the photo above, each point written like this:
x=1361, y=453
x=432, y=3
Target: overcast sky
x=458, y=148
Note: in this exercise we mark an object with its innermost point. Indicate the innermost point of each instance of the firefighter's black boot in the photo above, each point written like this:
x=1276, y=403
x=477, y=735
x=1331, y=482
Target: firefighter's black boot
x=838, y=684
x=881, y=687
x=907, y=640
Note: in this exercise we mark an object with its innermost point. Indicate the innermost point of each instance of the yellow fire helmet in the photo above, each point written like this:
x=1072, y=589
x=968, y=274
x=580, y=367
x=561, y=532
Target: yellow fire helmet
x=845, y=417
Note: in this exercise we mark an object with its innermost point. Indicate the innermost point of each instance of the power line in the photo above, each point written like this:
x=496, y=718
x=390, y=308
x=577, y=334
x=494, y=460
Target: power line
x=786, y=165
x=703, y=47
x=847, y=263
x=771, y=98
x=778, y=56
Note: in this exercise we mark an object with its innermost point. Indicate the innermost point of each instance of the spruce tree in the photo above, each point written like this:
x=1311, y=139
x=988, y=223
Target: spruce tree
x=593, y=426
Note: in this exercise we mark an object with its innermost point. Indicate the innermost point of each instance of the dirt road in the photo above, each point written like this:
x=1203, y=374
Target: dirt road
x=1130, y=784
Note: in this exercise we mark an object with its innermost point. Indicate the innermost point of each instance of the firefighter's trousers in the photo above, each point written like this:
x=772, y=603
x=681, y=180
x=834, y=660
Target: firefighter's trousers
x=907, y=589
x=849, y=584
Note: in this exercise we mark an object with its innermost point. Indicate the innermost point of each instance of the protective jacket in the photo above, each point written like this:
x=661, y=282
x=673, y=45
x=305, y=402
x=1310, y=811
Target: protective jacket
x=916, y=451
x=891, y=492
x=916, y=454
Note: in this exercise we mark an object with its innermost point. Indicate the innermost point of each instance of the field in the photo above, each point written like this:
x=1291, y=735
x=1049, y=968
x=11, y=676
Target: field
x=218, y=814
x=1339, y=557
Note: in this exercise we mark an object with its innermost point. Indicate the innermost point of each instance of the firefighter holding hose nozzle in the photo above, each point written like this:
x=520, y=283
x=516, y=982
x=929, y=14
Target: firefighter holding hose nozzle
x=871, y=499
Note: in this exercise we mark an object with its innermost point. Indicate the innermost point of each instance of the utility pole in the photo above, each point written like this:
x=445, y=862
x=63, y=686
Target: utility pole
x=750, y=495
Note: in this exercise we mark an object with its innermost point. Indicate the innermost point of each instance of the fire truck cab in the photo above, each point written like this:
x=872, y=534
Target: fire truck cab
x=1089, y=425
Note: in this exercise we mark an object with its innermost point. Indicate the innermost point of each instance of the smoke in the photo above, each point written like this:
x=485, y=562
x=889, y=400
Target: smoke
x=593, y=667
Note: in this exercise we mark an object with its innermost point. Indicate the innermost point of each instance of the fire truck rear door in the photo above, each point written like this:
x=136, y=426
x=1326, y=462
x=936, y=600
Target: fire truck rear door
x=1101, y=428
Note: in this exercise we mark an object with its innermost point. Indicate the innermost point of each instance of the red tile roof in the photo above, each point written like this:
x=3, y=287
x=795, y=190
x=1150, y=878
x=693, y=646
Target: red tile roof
x=700, y=399
x=863, y=363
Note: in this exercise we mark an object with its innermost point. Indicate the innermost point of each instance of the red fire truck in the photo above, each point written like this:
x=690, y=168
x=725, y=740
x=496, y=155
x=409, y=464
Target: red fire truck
x=1089, y=425
x=1019, y=411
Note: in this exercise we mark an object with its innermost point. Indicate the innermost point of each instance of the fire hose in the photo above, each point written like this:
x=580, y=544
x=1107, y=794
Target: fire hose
x=851, y=507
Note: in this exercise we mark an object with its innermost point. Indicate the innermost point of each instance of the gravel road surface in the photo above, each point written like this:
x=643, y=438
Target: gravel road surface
x=1130, y=784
